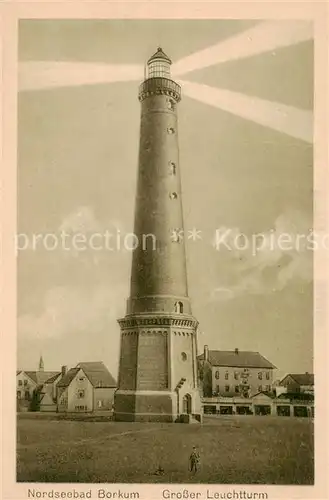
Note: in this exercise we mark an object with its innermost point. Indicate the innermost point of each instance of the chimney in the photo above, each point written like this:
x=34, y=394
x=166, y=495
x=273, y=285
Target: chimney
x=64, y=370
x=206, y=353
x=236, y=350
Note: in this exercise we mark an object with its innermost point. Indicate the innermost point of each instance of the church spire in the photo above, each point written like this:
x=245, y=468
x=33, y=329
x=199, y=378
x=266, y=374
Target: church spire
x=41, y=365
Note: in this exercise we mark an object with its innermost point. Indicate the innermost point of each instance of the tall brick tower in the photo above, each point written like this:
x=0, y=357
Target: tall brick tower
x=158, y=366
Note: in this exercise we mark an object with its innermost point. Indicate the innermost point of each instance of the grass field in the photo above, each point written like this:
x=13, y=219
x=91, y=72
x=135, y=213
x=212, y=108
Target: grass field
x=234, y=450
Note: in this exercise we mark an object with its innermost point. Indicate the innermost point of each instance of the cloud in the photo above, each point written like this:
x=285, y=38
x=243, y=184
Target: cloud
x=68, y=310
x=81, y=220
x=280, y=256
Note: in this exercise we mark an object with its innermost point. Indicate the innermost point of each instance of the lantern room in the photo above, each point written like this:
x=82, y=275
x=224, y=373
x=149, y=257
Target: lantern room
x=159, y=65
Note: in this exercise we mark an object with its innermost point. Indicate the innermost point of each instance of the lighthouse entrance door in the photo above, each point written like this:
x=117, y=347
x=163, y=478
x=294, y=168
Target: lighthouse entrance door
x=187, y=404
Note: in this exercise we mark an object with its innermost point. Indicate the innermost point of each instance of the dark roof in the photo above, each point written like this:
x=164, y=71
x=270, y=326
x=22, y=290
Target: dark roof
x=98, y=374
x=242, y=359
x=159, y=54
x=301, y=378
x=67, y=379
x=53, y=378
x=95, y=371
x=40, y=377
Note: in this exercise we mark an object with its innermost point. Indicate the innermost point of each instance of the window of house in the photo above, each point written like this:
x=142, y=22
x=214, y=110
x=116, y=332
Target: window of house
x=236, y=388
x=217, y=374
x=268, y=388
x=173, y=196
x=27, y=395
x=184, y=356
x=260, y=388
x=18, y=394
x=226, y=376
x=236, y=375
x=227, y=388
x=81, y=394
x=99, y=403
x=267, y=375
x=170, y=130
x=260, y=375
x=172, y=168
x=25, y=382
x=20, y=382
x=81, y=379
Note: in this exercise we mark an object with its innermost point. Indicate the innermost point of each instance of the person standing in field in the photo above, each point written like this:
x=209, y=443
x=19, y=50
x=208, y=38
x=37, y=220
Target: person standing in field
x=194, y=460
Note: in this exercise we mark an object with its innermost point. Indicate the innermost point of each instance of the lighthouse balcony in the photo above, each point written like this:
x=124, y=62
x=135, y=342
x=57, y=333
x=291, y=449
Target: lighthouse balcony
x=158, y=86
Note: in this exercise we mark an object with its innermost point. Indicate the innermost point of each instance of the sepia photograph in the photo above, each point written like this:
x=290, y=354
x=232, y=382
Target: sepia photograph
x=165, y=245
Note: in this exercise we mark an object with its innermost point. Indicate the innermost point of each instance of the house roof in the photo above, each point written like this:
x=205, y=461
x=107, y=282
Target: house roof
x=40, y=377
x=53, y=378
x=98, y=374
x=95, y=371
x=242, y=359
x=264, y=393
x=301, y=378
x=67, y=379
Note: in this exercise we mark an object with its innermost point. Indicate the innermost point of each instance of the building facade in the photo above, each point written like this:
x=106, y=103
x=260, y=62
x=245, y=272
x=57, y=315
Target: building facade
x=298, y=382
x=234, y=373
x=260, y=404
x=29, y=385
x=88, y=387
x=158, y=366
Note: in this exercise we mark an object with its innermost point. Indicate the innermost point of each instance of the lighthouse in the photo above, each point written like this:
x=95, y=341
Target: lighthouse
x=158, y=349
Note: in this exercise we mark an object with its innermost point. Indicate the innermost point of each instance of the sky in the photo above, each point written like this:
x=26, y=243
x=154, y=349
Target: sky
x=246, y=159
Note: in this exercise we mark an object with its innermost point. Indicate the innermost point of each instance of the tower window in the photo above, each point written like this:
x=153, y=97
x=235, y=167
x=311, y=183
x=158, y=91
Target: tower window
x=184, y=356
x=173, y=196
x=171, y=105
x=179, y=307
x=172, y=168
x=170, y=130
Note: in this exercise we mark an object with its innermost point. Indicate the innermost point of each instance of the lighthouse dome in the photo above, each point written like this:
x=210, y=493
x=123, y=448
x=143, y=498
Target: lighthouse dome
x=159, y=54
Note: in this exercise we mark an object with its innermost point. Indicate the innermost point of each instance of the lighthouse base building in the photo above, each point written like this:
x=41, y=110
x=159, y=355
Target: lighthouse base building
x=158, y=356
x=158, y=371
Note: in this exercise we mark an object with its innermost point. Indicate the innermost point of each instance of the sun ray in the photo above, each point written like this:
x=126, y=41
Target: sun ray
x=38, y=75
x=285, y=119
x=265, y=36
